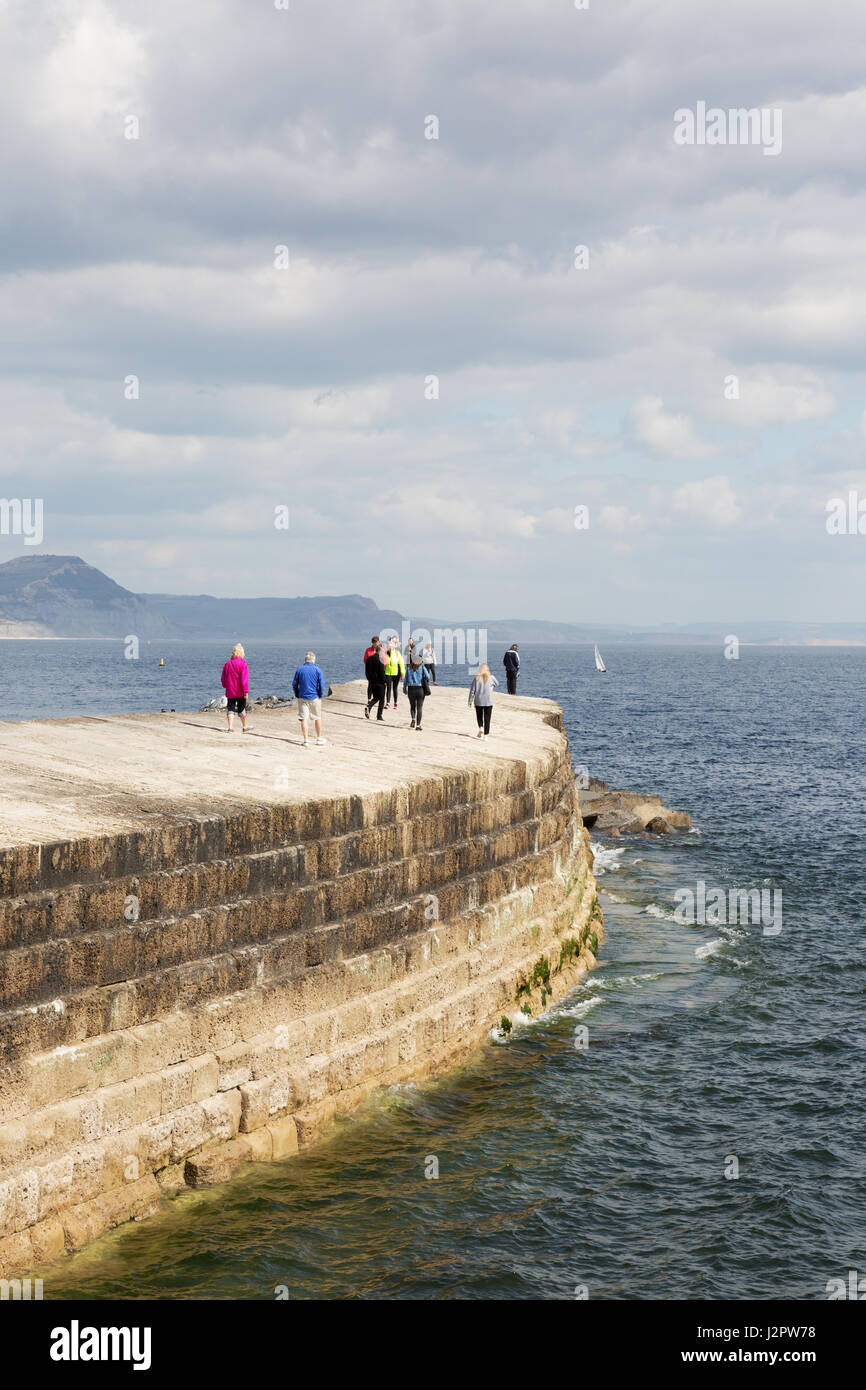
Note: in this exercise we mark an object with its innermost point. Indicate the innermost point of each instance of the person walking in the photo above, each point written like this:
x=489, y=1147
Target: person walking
x=236, y=684
x=368, y=653
x=395, y=670
x=481, y=696
x=416, y=685
x=511, y=662
x=309, y=687
x=374, y=669
x=428, y=656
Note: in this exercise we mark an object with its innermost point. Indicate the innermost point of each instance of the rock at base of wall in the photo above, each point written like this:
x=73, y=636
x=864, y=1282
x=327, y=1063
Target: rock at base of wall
x=615, y=812
x=659, y=826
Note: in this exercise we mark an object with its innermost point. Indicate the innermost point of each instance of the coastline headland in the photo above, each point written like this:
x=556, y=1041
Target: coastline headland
x=212, y=944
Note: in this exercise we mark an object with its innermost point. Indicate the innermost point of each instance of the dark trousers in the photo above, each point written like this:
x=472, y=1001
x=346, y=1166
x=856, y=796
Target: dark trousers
x=430, y=667
x=511, y=678
x=416, y=702
x=378, y=694
x=392, y=685
x=482, y=714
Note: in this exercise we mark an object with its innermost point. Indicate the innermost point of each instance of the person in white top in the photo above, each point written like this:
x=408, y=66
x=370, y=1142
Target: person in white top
x=428, y=660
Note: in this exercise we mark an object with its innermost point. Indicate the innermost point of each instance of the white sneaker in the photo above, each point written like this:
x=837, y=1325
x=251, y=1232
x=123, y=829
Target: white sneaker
x=321, y=740
x=306, y=743
x=486, y=736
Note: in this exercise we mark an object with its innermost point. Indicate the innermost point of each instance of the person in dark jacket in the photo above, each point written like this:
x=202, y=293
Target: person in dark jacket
x=374, y=670
x=416, y=685
x=511, y=662
x=368, y=653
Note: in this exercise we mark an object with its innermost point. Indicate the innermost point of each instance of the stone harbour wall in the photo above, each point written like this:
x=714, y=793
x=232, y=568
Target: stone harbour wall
x=182, y=999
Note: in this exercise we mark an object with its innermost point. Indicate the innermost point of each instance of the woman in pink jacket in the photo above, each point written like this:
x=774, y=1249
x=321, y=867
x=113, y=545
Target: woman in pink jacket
x=236, y=683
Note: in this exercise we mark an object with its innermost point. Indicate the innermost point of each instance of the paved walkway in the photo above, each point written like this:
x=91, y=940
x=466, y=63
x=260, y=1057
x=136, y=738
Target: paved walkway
x=66, y=778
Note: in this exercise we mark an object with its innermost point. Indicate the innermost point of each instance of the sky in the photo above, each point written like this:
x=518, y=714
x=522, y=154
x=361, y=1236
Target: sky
x=293, y=301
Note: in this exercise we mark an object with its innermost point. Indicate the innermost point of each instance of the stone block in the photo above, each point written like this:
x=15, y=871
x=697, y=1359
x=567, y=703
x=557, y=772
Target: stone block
x=255, y=1099
x=222, y=1115
x=16, y=1255
x=47, y=1241
x=188, y=1131
x=284, y=1137
x=261, y=1144
x=235, y=1066
x=313, y=1119
x=217, y=1164
x=87, y=1220
x=172, y=1177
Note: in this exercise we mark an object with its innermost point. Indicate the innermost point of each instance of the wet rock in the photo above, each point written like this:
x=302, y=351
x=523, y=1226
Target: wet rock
x=614, y=811
x=614, y=823
x=659, y=826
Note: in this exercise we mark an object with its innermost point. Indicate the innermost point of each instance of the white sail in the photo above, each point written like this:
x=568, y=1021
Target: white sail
x=599, y=664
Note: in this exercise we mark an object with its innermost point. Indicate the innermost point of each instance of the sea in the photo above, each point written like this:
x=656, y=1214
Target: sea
x=688, y=1123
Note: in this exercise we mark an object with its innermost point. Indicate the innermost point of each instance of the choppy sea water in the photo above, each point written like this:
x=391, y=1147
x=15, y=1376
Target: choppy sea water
x=712, y=1049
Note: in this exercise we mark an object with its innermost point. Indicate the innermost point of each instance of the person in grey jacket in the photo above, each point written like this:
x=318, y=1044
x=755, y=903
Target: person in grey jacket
x=481, y=696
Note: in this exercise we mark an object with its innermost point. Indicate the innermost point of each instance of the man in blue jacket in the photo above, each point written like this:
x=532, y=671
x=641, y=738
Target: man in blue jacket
x=511, y=662
x=309, y=687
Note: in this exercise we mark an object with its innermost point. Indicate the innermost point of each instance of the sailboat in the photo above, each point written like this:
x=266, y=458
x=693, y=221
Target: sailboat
x=599, y=664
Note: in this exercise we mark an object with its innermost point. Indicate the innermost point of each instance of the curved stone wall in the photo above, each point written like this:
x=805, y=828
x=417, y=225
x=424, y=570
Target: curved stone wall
x=178, y=1000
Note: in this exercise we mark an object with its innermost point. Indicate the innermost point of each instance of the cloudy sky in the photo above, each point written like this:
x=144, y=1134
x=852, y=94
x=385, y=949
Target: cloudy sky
x=605, y=384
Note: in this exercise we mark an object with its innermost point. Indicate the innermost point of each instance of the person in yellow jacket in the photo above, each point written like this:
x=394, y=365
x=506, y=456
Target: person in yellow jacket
x=395, y=670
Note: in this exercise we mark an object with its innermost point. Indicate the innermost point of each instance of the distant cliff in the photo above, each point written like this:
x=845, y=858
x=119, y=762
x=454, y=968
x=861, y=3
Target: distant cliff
x=345, y=617
x=63, y=596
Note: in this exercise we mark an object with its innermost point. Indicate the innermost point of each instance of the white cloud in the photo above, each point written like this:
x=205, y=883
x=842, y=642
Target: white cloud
x=711, y=500
x=664, y=435
x=620, y=519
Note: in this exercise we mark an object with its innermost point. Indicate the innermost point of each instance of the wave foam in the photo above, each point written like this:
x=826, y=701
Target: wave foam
x=583, y=1007
x=712, y=948
x=615, y=981
x=518, y=1020
x=606, y=860
x=653, y=910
